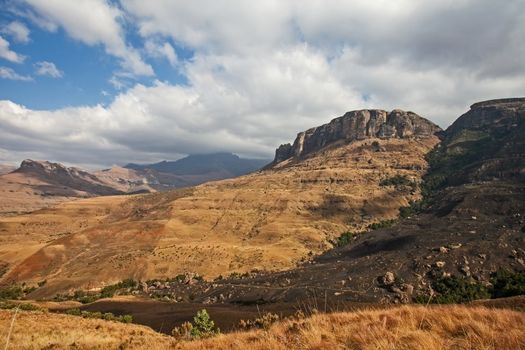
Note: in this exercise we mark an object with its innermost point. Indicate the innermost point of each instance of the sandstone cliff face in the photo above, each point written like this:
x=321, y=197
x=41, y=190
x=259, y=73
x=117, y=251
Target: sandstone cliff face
x=491, y=115
x=358, y=125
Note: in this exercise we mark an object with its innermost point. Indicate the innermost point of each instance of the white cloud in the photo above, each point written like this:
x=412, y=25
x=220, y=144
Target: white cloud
x=262, y=71
x=117, y=82
x=8, y=54
x=18, y=31
x=48, y=69
x=9, y=73
x=158, y=50
x=94, y=22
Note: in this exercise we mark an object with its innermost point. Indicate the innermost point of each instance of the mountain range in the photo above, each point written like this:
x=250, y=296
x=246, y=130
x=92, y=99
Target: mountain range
x=38, y=184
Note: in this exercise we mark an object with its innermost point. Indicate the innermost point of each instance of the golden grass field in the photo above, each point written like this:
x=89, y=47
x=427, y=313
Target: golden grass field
x=269, y=220
x=406, y=327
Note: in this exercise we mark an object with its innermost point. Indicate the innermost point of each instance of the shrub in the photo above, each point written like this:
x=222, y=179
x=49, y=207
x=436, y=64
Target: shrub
x=29, y=307
x=344, y=239
x=127, y=318
x=398, y=181
x=508, y=283
x=264, y=321
x=381, y=224
x=412, y=209
x=108, y=316
x=203, y=326
x=11, y=292
x=453, y=290
x=183, y=332
x=22, y=306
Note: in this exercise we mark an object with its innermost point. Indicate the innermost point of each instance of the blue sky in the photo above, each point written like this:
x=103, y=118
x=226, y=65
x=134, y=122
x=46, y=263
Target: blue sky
x=98, y=82
x=86, y=70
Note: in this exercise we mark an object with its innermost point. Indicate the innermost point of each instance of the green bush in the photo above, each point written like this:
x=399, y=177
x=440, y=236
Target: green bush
x=22, y=306
x=454, y=290
x=381, y=224
x=203, y=326
x=109, y=291
x=108, y=316
x=397, y=181
x=11, y=292
x=127, y=318
x=508, y=283
x=412, y=209
x=344, y=239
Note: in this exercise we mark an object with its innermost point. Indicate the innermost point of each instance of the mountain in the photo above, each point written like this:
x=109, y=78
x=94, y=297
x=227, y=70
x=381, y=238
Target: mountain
x=269, y=220
x=469, y=224
x=215, y=166
x=354, y=126
x=39, y=184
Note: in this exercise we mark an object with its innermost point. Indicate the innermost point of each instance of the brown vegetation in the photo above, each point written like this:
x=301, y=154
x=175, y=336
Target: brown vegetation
x=407, y=327
x=270, y=220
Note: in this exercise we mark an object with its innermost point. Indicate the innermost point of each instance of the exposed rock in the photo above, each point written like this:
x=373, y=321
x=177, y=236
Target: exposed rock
x=407, y=288
x=387, y=279
x=440, y=264
x=358, y=125
x=455, y=245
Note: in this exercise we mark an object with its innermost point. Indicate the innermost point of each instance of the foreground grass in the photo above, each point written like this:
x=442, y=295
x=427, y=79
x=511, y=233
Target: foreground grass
x=407, y=327
x=41, y=330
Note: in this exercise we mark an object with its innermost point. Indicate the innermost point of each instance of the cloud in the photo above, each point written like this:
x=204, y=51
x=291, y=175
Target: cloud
x=9, y=73
x=18, y=31
x=158, y=50
x=48, y=69
x=94, y=22
x=211, y=114
x=8, y=54
x=262, y=71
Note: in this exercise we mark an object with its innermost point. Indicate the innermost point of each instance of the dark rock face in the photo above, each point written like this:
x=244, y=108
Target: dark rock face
x=358, y=125
x=484, y=144
x=502, y=114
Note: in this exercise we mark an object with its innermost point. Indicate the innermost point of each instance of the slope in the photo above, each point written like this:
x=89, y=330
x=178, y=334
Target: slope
x=270, y=220
x=470, y=224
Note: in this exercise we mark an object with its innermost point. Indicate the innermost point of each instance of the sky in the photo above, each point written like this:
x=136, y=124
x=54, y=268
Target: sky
x=96, y=83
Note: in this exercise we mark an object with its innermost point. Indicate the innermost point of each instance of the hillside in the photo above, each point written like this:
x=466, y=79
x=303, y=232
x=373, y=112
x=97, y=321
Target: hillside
x=270, y=220
x=5, y=169
x=408, y=327
x=470, y=224
x=38, y=184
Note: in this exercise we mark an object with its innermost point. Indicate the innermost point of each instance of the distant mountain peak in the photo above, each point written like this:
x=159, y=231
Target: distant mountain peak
x=223, y=164
x=358, y=125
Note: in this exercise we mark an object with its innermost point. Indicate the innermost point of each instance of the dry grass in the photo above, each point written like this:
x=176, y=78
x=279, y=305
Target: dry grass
x=37, y=330
x=266, y=221
x=408, y=327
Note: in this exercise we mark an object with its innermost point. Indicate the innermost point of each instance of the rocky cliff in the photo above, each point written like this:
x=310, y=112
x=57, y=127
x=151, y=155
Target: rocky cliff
x=358, y=125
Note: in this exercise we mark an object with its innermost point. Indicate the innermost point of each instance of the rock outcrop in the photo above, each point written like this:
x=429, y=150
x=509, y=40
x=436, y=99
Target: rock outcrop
x=358, y=125
x=492, y=115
